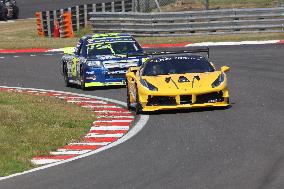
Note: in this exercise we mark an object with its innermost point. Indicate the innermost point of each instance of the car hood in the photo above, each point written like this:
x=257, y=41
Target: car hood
x=194, y=82
x=122, y=61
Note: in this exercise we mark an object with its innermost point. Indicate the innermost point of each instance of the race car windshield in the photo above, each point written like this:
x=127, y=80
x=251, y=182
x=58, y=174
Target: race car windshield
x=113, y=48
x=177, y=65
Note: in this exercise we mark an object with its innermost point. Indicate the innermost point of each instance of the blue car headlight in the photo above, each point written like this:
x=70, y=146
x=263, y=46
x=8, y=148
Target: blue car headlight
x=148, y=85
x=93, y=63
x=219, y=80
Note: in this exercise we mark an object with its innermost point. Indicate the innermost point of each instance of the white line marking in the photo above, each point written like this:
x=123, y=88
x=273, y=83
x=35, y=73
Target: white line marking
x=87, y=101
x=134, y=130
x=76, y=97
x=110, y=121
x=232, y=43
x=113, y=116
x=90, y=143
x=69, y=152
x=2, y=57
x=109, y=128
x=44, y=161
x=56, y=50
x=110, y=111
x=97, y=135
x=98, y=106
x=58, y=94
x=7, y=22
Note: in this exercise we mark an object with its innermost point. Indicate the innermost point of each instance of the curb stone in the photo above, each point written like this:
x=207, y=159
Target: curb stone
x=113, y=122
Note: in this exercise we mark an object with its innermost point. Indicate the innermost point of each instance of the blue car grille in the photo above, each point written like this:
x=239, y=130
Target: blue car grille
x=117, y=69
x=115, y=76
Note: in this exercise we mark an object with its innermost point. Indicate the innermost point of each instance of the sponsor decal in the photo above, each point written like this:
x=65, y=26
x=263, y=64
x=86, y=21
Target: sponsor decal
x=91, y=78
x=117, y=72
x=90, y=72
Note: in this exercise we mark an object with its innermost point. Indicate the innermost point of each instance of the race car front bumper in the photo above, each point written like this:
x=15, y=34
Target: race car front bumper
x=152, y=101
x=97, y=84
x=100, y=77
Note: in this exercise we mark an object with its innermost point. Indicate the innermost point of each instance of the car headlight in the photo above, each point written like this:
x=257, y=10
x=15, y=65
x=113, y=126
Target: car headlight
x=94, y=63
x=148, y=85
x=219, y=80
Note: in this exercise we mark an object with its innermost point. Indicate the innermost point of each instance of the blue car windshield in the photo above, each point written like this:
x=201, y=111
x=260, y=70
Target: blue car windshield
x=113, y=48
x=177, y=65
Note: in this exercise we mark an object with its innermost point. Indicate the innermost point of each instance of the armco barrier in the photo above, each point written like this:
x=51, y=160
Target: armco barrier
x=80, y=14
x=228, y=21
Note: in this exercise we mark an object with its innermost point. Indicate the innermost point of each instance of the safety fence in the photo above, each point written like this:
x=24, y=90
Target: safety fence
x=227, y=21
x=49, y=21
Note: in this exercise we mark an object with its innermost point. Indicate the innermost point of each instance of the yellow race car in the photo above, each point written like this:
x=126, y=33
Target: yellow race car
x=176, y=81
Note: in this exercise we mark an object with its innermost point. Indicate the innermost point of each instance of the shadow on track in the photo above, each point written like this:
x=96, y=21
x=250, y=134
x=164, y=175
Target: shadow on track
x=99, y=88
x=193, y=110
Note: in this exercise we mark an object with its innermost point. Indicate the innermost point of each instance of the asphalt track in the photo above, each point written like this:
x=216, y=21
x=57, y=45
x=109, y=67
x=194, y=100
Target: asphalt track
x=29, y=7
x=237, y=148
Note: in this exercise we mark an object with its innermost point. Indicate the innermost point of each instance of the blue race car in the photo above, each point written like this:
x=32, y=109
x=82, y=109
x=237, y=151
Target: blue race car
x=100, y=60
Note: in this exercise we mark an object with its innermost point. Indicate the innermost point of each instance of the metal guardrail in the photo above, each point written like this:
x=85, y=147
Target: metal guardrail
x=227, y=21
x=80, y=14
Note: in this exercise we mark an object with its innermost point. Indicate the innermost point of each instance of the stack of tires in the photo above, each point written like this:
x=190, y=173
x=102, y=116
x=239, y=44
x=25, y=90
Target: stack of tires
x=8, y=10
x=3, y=14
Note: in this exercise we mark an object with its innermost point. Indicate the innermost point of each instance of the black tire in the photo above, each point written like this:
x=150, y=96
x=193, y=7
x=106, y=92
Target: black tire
x=82, y=79
x=128, y=97
x=16, y=11
x=66, y=79
x=138, y=107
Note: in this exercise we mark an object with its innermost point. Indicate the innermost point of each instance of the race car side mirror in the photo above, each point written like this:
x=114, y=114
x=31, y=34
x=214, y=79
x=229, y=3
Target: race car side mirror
x=225, y=68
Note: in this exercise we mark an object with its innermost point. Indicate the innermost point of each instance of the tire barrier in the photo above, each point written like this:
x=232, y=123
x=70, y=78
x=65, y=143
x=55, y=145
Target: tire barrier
x=39, y=24
x=79, y=15
x=66, y=29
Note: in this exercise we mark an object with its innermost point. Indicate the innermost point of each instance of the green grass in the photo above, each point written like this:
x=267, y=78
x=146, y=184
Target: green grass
x=221, y=4
x=35, y=125
x=232, y=2
x=23, y=34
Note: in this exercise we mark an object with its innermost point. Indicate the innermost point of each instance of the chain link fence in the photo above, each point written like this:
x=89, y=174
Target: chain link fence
x=192, y=5
x=152, y=5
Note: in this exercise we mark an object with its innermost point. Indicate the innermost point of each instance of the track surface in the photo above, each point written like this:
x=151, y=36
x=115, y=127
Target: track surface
x=241, y=147
x=29, y=7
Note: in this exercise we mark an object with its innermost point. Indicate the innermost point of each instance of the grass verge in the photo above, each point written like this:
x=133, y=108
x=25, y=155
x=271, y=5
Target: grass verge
x=23, y=34
x=35, y=125
x=192, y=5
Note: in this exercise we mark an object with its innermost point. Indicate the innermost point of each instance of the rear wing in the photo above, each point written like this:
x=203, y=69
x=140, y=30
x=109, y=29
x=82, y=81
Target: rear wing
x=186, y=50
